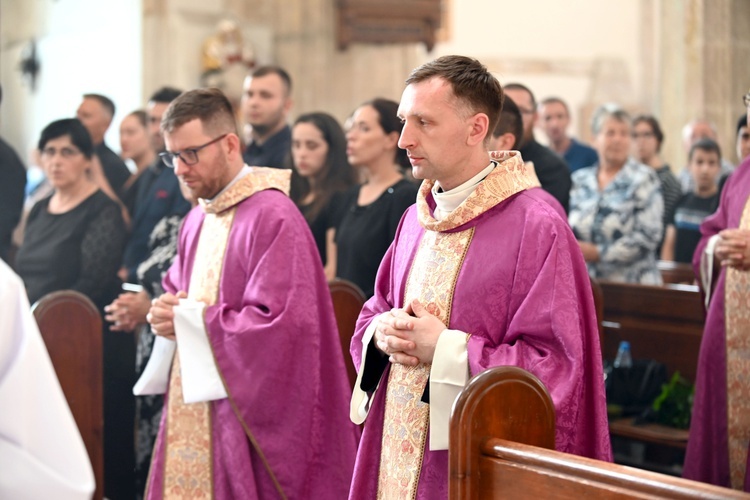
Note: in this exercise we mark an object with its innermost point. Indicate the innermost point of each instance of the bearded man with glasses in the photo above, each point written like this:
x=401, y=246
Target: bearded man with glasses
x=257, y=394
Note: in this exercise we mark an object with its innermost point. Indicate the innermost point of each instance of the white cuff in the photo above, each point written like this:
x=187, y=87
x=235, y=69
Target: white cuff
x=155, y=377
x=200, y=376
x=448, y=376
x=707, y=266
x=360, y=403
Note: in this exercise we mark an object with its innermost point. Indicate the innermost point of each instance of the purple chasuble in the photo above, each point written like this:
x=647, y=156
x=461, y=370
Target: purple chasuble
x=707, y=456
x=524, y=295
x=274, y=338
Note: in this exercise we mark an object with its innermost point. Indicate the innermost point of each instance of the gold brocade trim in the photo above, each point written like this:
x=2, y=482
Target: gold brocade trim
x=432, y=280
x=507, y=178
x=259, y=179
x=188, y=448
x=737, y=317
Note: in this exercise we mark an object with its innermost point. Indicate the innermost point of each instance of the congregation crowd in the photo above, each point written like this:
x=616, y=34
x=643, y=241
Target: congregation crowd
x=199, y=201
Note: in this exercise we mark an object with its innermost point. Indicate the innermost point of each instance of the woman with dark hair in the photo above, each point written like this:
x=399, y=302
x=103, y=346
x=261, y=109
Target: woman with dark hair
x=373, y=209
x=74, y=241
x=320, y=173
x=647, y=140
x=135, y=144
x=73, y=238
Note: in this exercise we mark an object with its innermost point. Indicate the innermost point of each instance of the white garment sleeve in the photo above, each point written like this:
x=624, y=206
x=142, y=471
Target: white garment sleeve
x=42, y=454
x=707, y=267
x=359, y=406
x=448, y=376
x=201, y=380
x=155, y=377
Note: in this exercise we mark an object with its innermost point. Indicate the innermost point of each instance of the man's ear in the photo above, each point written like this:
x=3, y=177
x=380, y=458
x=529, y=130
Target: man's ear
x=234, y=145
x=478, y=129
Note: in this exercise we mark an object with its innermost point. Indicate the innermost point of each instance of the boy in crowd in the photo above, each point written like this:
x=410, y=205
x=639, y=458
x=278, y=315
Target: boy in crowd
x=683, y=231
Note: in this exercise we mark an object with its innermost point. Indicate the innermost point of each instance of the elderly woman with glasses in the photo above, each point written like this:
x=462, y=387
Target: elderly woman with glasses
x=73, y=238
x=74, y=241
x=616, y=206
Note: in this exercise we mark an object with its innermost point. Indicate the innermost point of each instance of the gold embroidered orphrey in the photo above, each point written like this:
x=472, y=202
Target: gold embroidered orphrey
x=737, y=317
x=188, y=464
x=432, y=279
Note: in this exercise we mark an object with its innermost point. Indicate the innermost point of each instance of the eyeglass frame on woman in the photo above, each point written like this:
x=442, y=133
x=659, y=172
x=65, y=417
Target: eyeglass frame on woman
x=65, y=152
x=168, y=157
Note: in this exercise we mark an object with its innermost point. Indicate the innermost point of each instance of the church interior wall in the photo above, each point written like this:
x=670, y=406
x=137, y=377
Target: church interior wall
x=82, y=46
x=654, y=56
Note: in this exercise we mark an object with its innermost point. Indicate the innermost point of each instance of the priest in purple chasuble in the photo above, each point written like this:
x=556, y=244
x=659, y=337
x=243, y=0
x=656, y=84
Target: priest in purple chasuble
x=257, y=397
x=482, y=273
x=719, y=441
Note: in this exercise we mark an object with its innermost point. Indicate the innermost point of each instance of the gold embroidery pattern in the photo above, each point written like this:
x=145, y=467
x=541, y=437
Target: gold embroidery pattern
x=259, y=179
x=432, y=280
x=506, y=179
x=188, y=465
x=737, y=317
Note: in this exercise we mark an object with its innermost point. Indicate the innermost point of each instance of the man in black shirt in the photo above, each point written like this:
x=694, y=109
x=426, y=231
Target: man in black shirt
x=12, y=185
x=553, y=172
x=96, y=113
x=266, y=101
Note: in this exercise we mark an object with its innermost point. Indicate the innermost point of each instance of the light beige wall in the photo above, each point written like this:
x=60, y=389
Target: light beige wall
x=82, y=46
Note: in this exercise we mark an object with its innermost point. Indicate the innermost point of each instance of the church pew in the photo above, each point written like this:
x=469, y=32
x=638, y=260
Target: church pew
x=502, y=446
x=506, y=402
x=72, y=331
x=676, y=272
x=664, y=323
x=348, y=300
x=507, y=469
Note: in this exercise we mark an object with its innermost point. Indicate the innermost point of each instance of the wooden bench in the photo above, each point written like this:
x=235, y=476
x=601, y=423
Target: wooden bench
x=664, y=323
x=506, y=402
x=513, y=470
x=72, y=331
x=347, y=300
x=488, y=458
x=676, y=273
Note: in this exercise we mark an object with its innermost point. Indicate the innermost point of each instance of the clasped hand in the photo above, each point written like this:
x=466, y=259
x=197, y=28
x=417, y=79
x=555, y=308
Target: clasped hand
x=127, y=311
x=409, y=335
x=161, y=315
x=733, y=248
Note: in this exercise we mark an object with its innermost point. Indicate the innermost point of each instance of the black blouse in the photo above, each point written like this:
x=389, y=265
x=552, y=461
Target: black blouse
x=329, y=217
x=366, y=232
x=77, y=250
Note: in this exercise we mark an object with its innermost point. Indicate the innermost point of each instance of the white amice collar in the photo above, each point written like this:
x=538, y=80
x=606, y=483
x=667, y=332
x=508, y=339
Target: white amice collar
x=447, y=201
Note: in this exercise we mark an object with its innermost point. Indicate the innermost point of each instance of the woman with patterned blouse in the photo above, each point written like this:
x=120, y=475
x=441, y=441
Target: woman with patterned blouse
x=616, y=206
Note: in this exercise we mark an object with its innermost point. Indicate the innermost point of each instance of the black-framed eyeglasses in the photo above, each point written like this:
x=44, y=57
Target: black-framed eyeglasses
x=188, y=156
x=65, y=152
x=746, y=100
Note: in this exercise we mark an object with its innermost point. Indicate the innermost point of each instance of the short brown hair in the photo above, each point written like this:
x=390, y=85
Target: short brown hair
x=210, y=106
x=470, y=81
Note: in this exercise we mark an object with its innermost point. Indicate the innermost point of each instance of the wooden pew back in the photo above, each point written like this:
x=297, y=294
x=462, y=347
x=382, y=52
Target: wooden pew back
x=71, y=328
x=348, y=300
x=677, y=273
x=664, y=323
x=515, y=470
x=504, y=401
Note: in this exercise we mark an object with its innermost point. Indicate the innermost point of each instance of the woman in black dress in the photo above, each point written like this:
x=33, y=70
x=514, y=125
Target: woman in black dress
x=373, y=210
x=320, y=174
x=74, y=241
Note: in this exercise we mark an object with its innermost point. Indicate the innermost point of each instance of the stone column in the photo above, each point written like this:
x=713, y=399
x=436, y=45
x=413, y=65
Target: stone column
x=703, y=70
